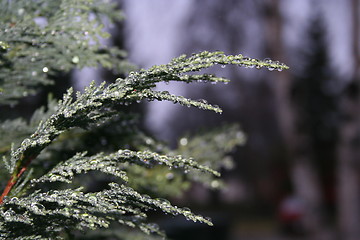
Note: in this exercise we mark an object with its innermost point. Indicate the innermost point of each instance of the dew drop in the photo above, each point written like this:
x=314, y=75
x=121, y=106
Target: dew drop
x=93, y=199
x=169, y=176
x=14, y=200
x=53, y=197
x=37, y=207
x=203, y=101
x=4, y=45
x=268, y=60
x=21, y=11
x=208, y=219
x=164, y=201
x=223, y=66
x=183, y=141
x=215, y=184
x=53, y=178
x=9, y=215
x=26, y=142
x=186, y=210
x=45, y=69
x=149, y=141
x=66, y=212
x=75, y=59
x=126, y=153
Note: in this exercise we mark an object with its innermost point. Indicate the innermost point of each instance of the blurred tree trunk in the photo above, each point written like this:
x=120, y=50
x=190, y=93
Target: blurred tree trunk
x=303, y=173
x=348, y=150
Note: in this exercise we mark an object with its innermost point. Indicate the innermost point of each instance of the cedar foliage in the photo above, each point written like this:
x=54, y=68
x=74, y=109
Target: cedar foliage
x=55, y=183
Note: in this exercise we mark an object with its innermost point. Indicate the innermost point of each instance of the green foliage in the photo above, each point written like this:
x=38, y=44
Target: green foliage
x=72, y=208
x=209, y=148
x=33, y=32
x=52, y=163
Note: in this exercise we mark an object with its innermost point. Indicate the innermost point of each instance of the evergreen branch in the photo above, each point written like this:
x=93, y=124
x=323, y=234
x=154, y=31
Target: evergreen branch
x=211, y=148
x=27, y=47
x=73, y=209
x=49, y=213
x=165, y=95
x=96, y=103
x=111, y=164
x=197, y=62
x=65, y=171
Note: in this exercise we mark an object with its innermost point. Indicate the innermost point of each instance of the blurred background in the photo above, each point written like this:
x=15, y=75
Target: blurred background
x=297, y=177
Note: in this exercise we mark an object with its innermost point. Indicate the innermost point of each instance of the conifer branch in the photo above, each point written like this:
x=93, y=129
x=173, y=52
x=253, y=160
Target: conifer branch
x=96, y=103
x=75, y=209
x=32, y=33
